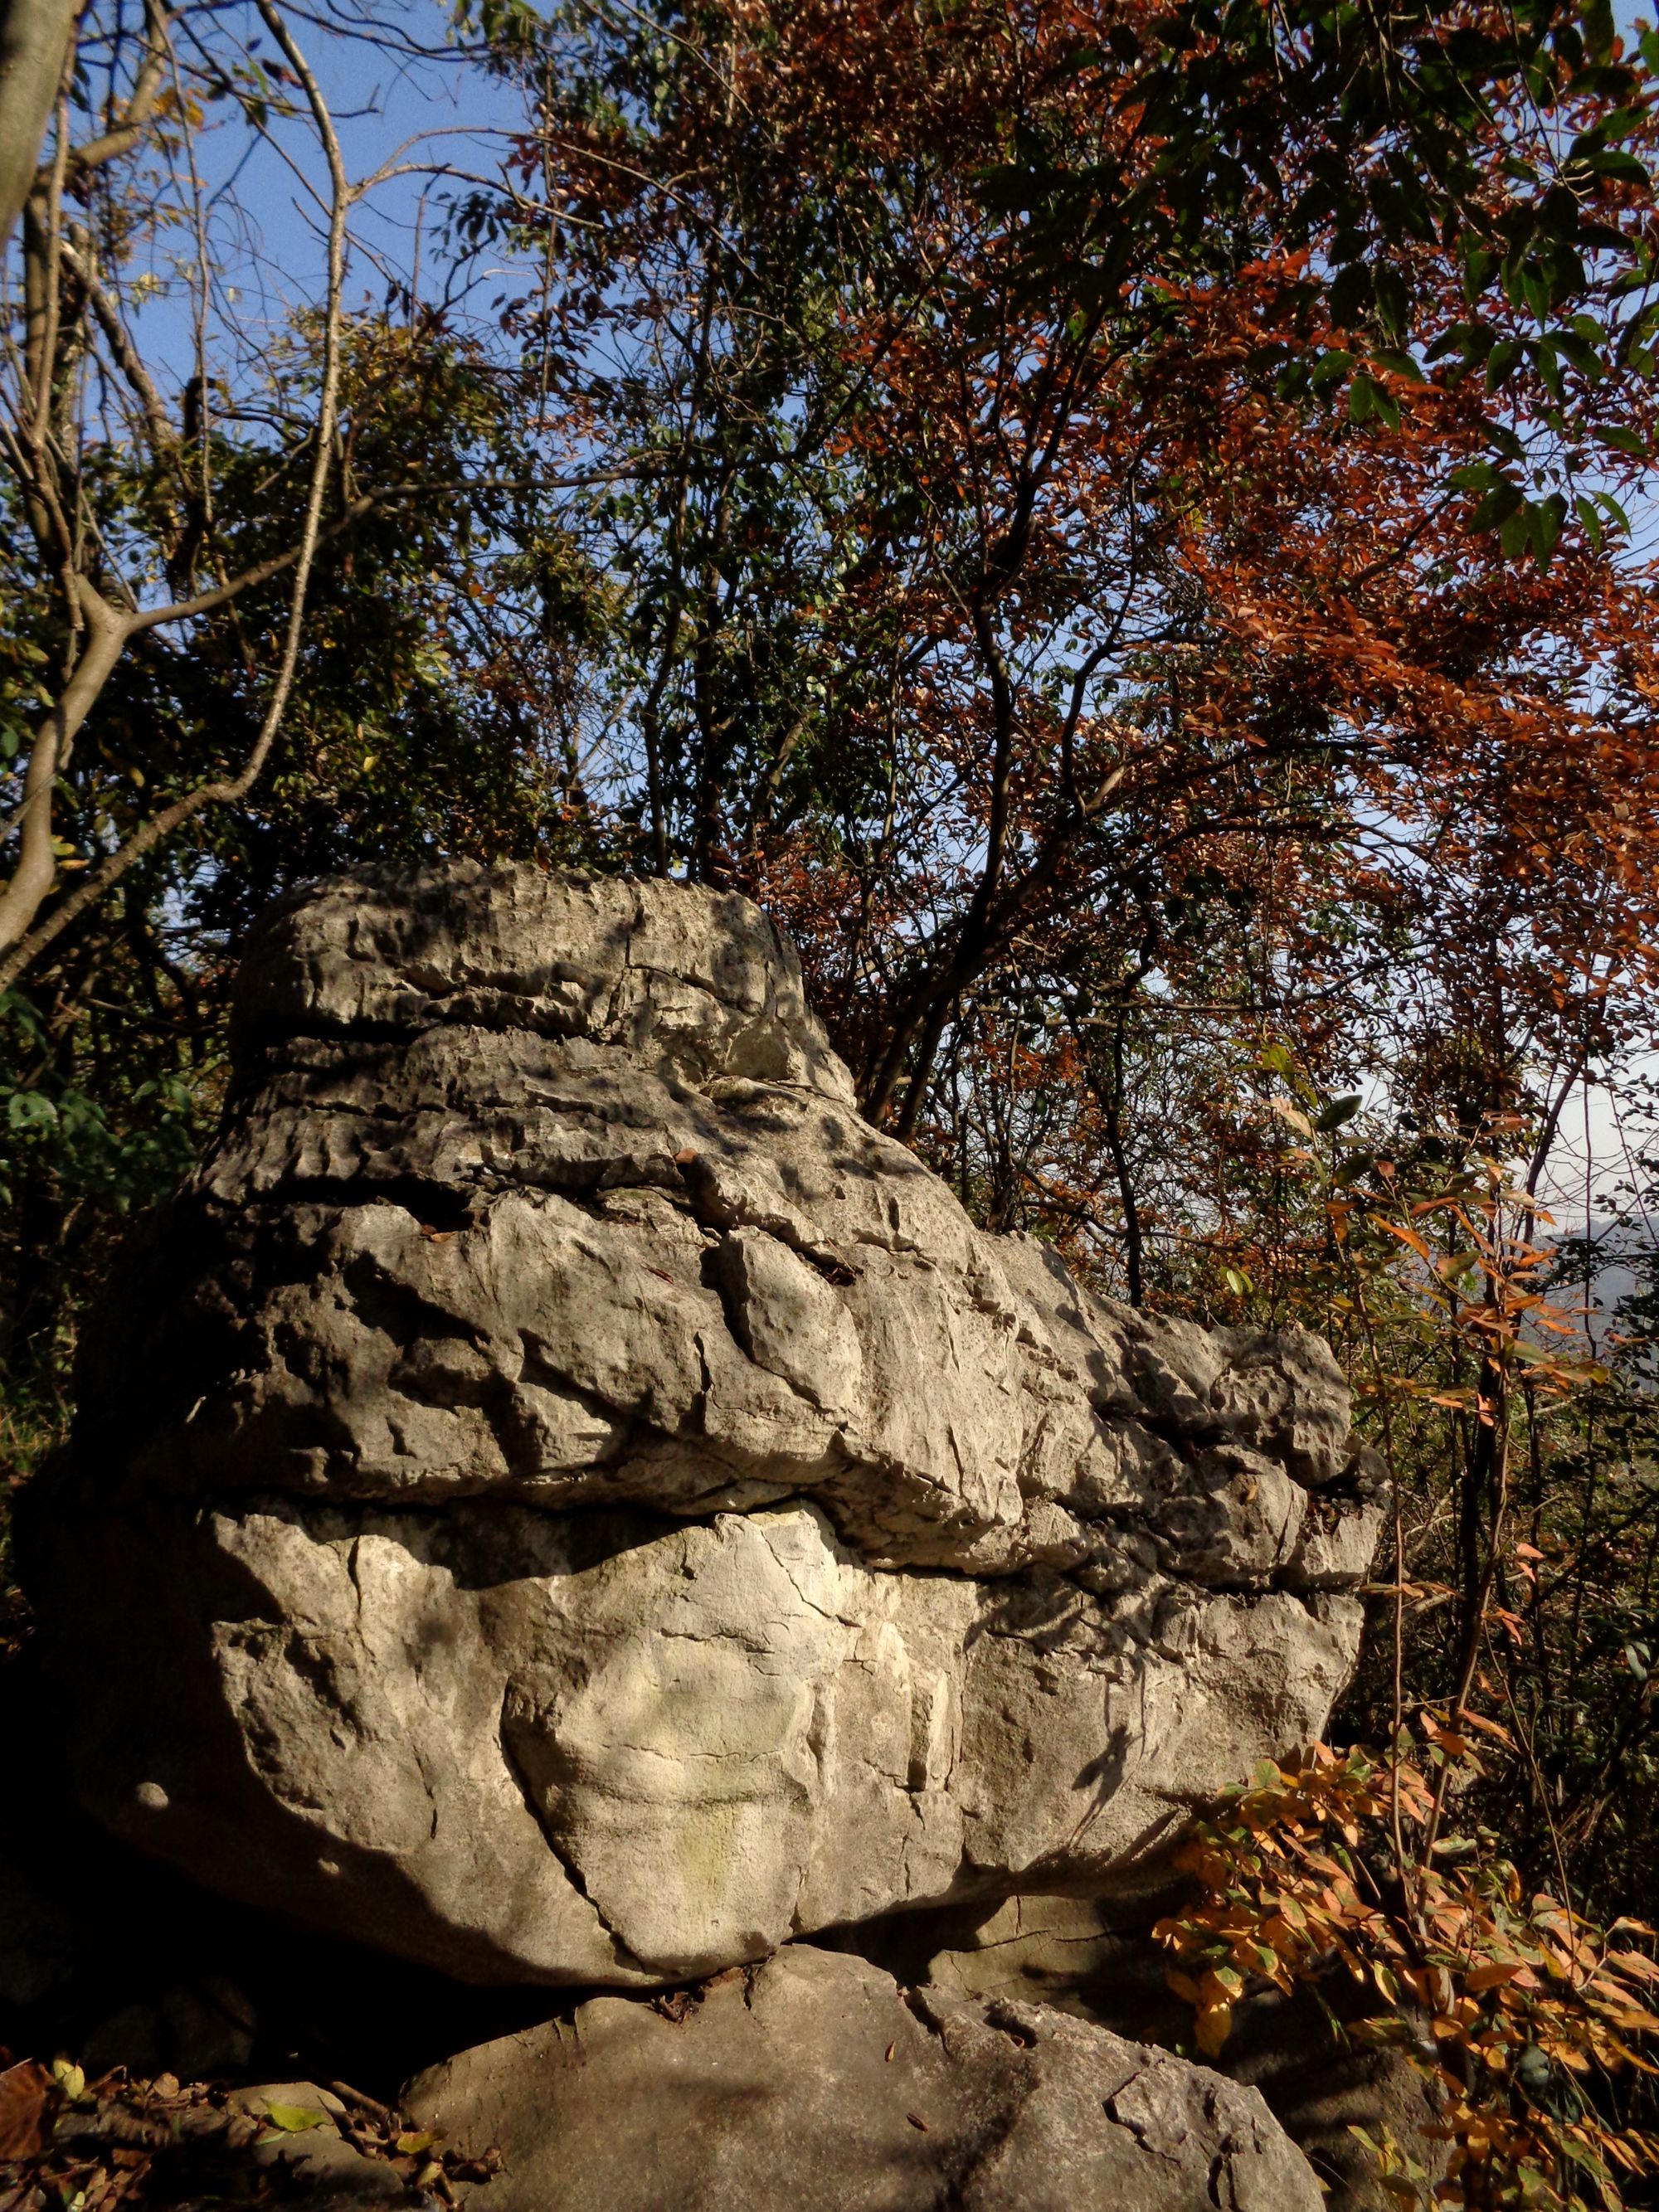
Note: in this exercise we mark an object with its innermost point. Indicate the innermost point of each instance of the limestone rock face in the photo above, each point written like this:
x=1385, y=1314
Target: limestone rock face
x=560, y=1497
x=813, y=2082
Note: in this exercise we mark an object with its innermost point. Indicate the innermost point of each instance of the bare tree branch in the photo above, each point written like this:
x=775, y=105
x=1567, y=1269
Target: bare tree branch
x=125, y=353
x=140, y=102
x=27, y=892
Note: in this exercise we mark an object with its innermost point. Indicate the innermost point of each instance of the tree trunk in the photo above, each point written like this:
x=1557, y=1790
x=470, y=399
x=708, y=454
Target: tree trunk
x=35, y=45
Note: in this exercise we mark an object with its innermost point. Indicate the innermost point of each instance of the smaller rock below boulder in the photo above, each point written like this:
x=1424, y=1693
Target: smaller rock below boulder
x=1331, y=2090
x=814, y=2081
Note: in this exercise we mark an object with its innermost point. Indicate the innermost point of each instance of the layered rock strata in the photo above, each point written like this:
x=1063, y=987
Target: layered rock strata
x=562, y=1498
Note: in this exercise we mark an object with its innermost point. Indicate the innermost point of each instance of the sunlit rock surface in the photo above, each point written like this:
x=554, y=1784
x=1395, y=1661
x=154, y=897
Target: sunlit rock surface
x=560, y=1497
x=814, y=2081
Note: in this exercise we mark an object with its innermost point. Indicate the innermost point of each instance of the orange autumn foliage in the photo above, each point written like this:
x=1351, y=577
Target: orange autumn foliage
x=1499, y=1999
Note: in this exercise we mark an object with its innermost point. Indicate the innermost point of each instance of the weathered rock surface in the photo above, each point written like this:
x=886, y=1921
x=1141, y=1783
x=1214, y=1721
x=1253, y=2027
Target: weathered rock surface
x=814, y=2081
x=1095, y=1957
x=562, y=1498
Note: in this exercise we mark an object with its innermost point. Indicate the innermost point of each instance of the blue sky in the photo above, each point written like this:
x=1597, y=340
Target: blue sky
x=264, y=199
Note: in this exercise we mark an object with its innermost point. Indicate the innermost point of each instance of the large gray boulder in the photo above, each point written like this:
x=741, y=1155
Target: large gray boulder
x=815, y=2082
x=559, y=1496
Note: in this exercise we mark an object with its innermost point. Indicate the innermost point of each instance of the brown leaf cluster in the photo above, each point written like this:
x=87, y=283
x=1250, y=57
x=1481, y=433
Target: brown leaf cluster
x=1518, y=2010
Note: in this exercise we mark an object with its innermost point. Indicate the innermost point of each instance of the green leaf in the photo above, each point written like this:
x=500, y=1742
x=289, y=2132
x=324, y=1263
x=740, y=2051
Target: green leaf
x=1616, y=161
x=1504, y=356
x=1350, y=294
x=1479, y=267
x=1499, y=505
x=1339, y=1111
x=1392, y=302
x=1367, y=399
x=29, y=1109
x=1581, y=353
x=295, y=2119
x=1400, y=364
x=1547, y=516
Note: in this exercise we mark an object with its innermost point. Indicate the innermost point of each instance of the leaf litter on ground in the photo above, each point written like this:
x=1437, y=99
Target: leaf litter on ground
x=68, y=2145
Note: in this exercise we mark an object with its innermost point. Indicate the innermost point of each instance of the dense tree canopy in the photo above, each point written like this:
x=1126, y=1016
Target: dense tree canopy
x=980, y=588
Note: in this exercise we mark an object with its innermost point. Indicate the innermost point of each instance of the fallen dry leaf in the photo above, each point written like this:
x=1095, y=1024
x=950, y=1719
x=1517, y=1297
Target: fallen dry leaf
x=25, y=2099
